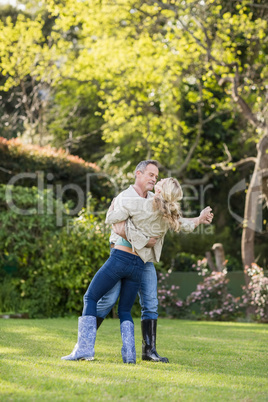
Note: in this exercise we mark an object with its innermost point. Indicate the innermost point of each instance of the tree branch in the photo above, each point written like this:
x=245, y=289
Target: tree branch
x=203, y=180
x=224, y=165
x=5, y=170
x=214, y=115
x=235, y=80
x=243, y=105
x=76, y=140
x=261, y=6
x=200, y=126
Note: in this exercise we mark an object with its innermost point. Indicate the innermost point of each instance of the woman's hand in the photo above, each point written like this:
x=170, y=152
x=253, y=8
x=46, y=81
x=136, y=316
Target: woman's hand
x=206, y=216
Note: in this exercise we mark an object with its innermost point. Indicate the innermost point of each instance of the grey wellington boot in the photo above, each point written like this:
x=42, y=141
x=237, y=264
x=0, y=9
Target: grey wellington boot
x=128, y=349
x=84, y=349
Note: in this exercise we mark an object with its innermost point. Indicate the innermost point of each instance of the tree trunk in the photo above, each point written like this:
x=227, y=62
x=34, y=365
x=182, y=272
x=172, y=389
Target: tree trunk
x=219, y=256
x=257, y=188
x=210, y=261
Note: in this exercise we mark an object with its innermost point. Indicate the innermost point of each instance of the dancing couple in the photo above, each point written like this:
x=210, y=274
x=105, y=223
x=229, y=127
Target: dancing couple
x=141, y=219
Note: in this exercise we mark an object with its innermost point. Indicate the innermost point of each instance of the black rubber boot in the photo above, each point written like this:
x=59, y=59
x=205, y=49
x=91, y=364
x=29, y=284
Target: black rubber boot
x=148, y=329
x=99, y=321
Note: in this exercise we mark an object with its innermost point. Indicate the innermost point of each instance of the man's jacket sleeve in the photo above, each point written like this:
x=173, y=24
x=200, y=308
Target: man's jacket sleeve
x=119, y=213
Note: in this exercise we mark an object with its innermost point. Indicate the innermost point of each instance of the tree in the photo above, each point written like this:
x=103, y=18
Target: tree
x=73, y=120
x=232, y=40
x=182, y=82
x=156, y=58
x=25, y=75
x=151, y=95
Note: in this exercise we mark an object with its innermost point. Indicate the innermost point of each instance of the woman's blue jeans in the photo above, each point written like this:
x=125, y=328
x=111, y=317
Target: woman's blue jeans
x=120, y=266
x=147, y=293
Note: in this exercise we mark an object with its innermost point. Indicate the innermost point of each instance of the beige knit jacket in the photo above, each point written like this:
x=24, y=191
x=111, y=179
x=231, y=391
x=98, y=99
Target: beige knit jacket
x=142, y=222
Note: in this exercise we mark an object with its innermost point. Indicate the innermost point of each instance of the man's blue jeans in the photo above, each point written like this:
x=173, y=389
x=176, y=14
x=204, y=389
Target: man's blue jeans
x=120, y=266
x=147, y=294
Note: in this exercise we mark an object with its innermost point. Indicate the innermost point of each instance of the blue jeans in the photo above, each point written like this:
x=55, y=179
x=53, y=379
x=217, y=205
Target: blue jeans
x=120, y=266
x=147, y=293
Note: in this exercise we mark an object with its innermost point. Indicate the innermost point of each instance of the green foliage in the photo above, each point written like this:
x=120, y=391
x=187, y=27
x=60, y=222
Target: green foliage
x=59, y=278
x=7, y=10
x=47, y=266
x=184, y=262
x=160, y=78
x=21, y=51
x=23, y=225
x=158, y=86
x=148, y=79
x=10, y=299
x=181, y=251
x=23, y=232
x=74, y=119
x=25, y=80
x=51, y=266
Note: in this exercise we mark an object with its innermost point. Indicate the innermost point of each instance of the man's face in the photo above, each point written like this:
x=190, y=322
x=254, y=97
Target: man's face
x=148, y=178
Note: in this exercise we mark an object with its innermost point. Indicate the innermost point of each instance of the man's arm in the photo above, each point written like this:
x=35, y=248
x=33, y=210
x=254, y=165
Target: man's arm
x=117, y=212
x=117, y=215
x=120, y=229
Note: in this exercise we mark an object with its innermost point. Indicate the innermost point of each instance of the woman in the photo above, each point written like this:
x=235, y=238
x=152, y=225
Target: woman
x=153, y=216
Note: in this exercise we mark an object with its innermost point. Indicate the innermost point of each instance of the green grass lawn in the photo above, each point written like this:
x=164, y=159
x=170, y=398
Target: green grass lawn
x=209, y=361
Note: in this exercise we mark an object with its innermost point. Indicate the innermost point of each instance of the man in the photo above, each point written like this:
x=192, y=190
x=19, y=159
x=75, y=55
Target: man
x=146, y=175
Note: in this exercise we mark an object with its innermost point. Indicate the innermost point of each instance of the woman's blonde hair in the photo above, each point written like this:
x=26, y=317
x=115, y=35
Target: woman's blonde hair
x=167, y=202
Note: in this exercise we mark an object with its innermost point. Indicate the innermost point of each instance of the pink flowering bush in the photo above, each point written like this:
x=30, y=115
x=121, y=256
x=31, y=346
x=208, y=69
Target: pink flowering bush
x=212, y=296
x=255, y=296
x=169, y=303
x=212, y=300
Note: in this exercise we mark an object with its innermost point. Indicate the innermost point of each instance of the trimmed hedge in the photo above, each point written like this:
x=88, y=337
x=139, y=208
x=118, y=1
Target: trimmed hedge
x=54, y=167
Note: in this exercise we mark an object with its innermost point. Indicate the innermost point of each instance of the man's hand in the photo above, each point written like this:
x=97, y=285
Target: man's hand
x=206, y=216
x=151, y=243
x=119, y=229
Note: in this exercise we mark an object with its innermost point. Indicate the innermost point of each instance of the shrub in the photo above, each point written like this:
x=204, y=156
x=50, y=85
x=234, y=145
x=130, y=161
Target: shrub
x=212, y=296
x=10, y=300
x=169, y=303
x=20, y=233
x=47, y=267
x=184, y=262
x=256, y=293
x=22, y=238
x=70, y=258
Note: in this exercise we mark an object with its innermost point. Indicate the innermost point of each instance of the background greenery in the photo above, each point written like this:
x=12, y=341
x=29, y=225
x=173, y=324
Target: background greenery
x=88, y=89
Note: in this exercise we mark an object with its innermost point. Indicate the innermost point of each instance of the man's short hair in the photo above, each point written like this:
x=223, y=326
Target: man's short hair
x=143, y=165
